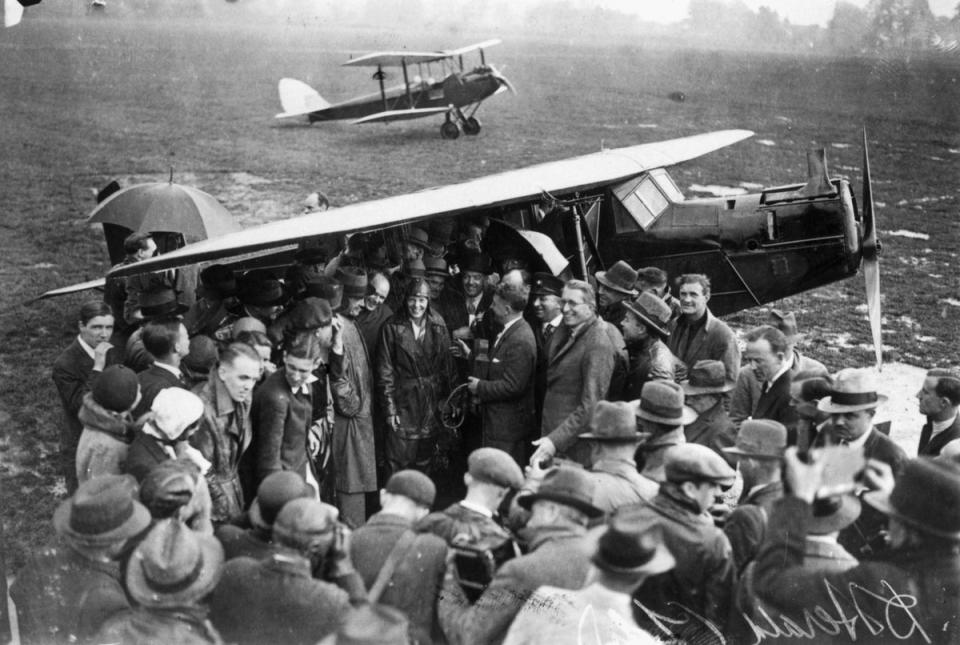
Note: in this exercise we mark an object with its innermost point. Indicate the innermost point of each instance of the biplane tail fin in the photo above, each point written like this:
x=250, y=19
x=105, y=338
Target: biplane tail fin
x=298, y=98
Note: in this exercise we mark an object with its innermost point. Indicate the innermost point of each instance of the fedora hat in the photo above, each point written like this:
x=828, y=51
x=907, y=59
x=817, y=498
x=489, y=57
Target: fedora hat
x=565, y=485
x=174, y=566
x=926, y=496
x=415, y=269
x=632, y=548
x=161, y=302
x=786, y=323
x=435, y=266
x=419, y=237
x=104, y=510
x=853, y=390
x=760, y=439
x=265, y=292
x=707, y=377
x=652, y=312
x=831, y=514
x=354, y=281
x=806, y=394
x=662, y=402
x=545, y=284
x=614, y=422
x=219, y=278
x=620, y=278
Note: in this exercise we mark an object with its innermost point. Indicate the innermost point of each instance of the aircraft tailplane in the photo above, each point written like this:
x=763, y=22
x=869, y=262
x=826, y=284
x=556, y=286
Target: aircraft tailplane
x=298, y=98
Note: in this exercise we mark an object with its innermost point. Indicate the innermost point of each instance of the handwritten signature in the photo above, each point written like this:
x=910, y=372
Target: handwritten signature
x=845, y=614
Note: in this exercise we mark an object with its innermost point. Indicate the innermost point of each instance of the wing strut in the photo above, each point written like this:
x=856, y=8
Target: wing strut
x=383, y=93
x=406, y=83
x=740, y=278
x=578, y=227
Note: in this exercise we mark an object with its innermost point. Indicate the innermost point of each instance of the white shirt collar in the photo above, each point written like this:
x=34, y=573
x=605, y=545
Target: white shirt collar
x=940, y=426
x=555, y=322
x=86, y=348
x=787, y=364
x=170, y=368
x=476, y=508
x=861, y=440
x=304, y=388
x=505, y=328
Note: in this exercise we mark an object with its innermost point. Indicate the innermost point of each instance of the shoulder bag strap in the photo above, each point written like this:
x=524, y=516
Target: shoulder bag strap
x=398, y=552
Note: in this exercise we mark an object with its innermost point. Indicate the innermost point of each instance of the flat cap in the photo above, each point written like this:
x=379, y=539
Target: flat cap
x=413, y=485
x=495, y=466
x=693, y=462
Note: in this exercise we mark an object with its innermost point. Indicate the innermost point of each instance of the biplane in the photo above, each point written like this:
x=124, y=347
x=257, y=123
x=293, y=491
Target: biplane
x=457, y=96
x=580, y=215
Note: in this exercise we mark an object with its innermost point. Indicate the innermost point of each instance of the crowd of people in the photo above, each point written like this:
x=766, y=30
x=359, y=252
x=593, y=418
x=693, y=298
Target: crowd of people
x=410, y=441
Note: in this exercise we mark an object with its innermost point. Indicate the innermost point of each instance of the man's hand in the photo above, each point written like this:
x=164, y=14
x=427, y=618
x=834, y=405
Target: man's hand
x=314, y=438
x=545, y=451
x=879, y=476
x=803, y=479
x=460, y=349
x=339, y=554
x=100, y=356
x=472, y=382
x=269, y=367
x=337, y=336
x=394, y=423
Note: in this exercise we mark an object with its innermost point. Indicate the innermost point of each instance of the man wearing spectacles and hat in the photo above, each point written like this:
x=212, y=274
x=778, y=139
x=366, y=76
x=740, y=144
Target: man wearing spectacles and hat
x=644, y=326
x=703, y=579
x=559, y=556
x=939, y=401
x=63, y=594
x=909, y=593
x=852, y=403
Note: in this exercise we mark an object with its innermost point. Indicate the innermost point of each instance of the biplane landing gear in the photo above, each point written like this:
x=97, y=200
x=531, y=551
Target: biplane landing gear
x=449, y=130
x=471, y=126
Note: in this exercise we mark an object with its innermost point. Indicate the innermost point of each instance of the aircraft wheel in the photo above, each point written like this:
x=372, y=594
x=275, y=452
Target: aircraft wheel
x=471, y=126
x=449, y=130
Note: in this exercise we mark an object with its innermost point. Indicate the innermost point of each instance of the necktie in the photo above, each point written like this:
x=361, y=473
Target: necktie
x=764, y=387
x=548, y=330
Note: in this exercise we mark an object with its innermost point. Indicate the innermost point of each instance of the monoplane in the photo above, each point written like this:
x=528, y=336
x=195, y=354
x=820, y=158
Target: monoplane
x=457, y=95
x=580, y=215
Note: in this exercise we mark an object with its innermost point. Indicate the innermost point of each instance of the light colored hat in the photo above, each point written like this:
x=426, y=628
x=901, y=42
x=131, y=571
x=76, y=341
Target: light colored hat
x=692, y=462
x=652, y=312
x=707, y=377
x=614, y=422
x=662, y=402
x=174, y=410
x=760, y=439
x=853, y=390
x=495, y=467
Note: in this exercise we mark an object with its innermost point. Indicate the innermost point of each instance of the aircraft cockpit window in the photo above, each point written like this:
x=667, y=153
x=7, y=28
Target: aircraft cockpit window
x=642, y=199
x=665, y=182
x=652, y=198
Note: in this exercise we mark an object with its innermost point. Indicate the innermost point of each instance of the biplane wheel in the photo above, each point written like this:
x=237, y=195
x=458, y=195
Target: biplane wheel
x=471, y=126
x=449, y=130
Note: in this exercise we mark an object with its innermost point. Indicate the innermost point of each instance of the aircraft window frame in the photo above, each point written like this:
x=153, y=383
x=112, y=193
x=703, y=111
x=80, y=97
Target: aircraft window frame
x=655, y=201
x=666, y=184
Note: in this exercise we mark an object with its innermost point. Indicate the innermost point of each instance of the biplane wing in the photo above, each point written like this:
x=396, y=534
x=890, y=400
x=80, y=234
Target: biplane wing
x=73, y=288
x=399, y=115
x=401, y=57
x=579, y=173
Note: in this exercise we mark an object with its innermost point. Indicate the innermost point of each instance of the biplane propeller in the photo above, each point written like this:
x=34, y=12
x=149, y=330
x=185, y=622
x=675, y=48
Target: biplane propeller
x=576, y=216
x=457, y=96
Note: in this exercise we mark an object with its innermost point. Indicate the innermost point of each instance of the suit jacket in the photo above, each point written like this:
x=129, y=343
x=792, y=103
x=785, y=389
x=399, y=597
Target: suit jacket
x=710, y=341
x=774, y=404
x=579, y=368
x=743, y=399
x=713, y=429
x=417, y=578
x=747, y=524
x=506, y=395
x=280, y=420
x=559, y=557
x=152, y=380
x=931, y=447
x=275, y=600
x=73, y=377
x=143, y=454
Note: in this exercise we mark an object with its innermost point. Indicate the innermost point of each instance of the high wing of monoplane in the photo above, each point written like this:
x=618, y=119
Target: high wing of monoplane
x=458, y=94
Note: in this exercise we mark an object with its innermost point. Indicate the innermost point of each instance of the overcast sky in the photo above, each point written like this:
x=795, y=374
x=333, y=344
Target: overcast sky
x=805, y=12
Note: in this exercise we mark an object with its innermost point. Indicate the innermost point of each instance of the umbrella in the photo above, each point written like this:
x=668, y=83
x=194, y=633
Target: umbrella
x=166, y=207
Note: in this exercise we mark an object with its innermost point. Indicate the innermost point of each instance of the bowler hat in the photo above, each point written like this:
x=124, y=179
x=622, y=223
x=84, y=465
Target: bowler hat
x=565, y=485
x=103, y=511
x=853, y=390
x=614, y=422
x=219, y=278
x=926, y=496
x=831, y=514
x=629, y=547
x=694, y=462
x=652, y=312
x=174, y=410
x=707, y=377
x=621, y=277
x=760, y=439
x=310, y=313
x=174, y=566
x=264, y=292
x=415, y=268
x=414, y=485
x=662, y=402
x=302, y=519
x=274, y=492
x=354, y=281
x=419, y=237
x=545, y=284
x=496, y=467
x=161, y=302
x=325, y=287
x=786, y=323
x=474, y=263
x=202, y=355
x=116, y=388
x=168, y=486
x=435, y=266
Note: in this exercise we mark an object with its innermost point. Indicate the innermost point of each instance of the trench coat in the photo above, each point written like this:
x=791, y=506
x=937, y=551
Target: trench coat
x=413, y=377
x=103, y=445
x=351, y=386
x=222, y=438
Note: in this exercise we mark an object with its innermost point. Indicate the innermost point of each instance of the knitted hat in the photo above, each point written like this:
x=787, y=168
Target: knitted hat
x=116, y=388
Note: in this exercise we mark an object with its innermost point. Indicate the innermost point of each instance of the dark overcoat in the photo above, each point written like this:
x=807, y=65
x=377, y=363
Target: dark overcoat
x=351, y=386
x=152, y=380
x=713, y=340
x=281, y=419
x=73, y=377
x=747, y=524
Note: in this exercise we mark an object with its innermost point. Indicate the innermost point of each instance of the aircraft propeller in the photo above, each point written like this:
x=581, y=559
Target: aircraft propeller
x=869, y=251
x=503, y=80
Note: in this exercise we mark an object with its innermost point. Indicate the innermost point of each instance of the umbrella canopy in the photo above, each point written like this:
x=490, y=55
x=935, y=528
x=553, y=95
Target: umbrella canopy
x=166, y=207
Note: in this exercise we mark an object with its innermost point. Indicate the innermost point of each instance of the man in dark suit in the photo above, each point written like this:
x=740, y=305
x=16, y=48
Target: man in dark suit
x=852, y=403
x=546, y=293
x=939, y=401
x=506, y=391
x=74, y=372
x=766, y=354
x=698, y=335
x=415, y=581
x=167, y=341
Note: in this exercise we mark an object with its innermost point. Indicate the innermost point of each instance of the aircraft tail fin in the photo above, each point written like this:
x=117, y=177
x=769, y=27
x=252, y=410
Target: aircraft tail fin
x=298, y=98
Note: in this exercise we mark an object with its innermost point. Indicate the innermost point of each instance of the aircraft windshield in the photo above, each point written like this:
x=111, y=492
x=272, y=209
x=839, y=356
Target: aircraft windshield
x=642, y=199
x=665, y=182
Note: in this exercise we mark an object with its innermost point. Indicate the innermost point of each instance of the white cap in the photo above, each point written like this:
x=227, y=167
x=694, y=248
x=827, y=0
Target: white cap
x=174, y=410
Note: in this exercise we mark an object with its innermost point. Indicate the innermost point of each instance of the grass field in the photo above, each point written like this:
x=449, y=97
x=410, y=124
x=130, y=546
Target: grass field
x=88, y=101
